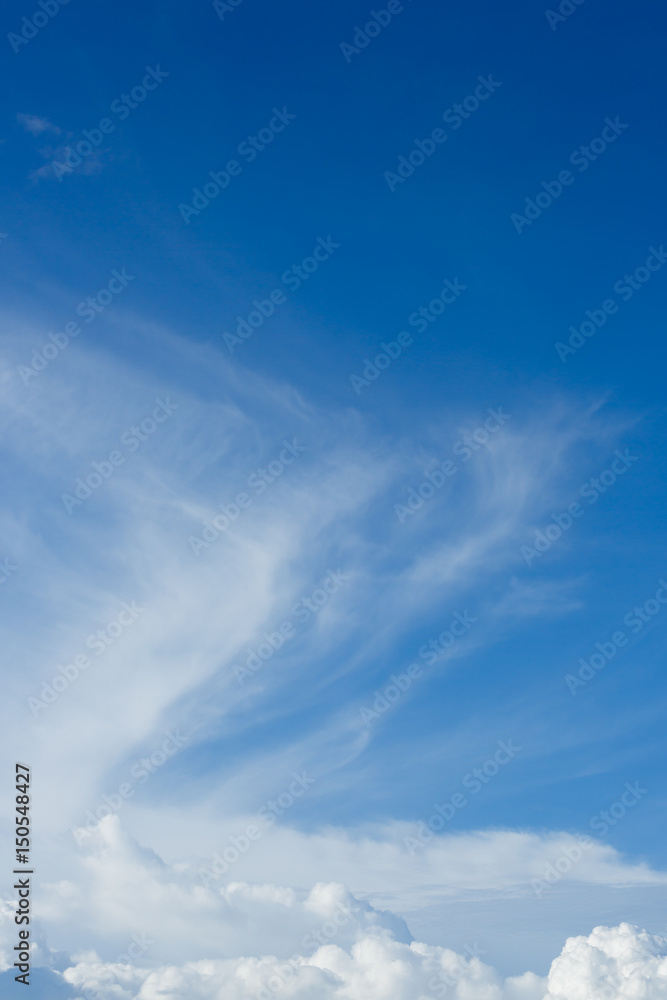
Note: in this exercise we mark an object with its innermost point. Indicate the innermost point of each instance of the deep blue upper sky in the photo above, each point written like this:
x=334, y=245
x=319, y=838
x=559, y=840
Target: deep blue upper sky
x=324, y=175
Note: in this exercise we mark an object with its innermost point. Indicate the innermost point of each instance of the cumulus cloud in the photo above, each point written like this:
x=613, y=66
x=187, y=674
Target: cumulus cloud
x=206, y=906
x=612, y=963
x=131, y=927
x=327, y=944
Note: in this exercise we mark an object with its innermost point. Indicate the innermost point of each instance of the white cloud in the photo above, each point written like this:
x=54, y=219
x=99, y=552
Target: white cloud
x=612, y=963
x=328, y=945
x=617, y=963
x=36, y=125
x=239, y=940
x=119, y=895
x=376, y=864
x=335, y=510
x=202, y=613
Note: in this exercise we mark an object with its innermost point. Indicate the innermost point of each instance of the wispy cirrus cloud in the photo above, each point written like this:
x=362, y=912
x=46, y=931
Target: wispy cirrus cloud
x=332, y=510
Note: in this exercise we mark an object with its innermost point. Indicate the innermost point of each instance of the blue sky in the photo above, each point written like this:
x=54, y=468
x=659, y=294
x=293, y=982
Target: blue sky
x=155, y=373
